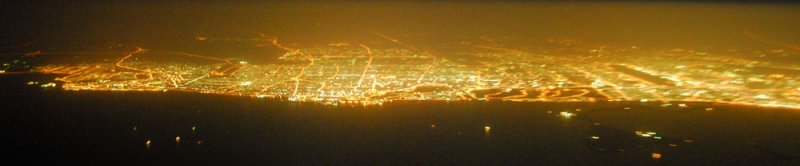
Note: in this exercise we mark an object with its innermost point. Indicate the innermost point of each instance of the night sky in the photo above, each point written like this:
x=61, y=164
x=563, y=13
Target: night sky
x=80, y=25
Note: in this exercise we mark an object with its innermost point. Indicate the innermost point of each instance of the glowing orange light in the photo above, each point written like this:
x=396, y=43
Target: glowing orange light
x=655, y=155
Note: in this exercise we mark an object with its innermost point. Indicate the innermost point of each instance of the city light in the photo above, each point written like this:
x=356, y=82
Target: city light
x=487, y=131
x=48, y=85
x=402, y=83
x=567, y=114
x=147, y=143
x=370, y=79
x=655, y=155
x=645, y=134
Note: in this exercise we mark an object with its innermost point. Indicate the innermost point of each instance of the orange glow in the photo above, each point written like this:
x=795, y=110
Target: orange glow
x=655, y=155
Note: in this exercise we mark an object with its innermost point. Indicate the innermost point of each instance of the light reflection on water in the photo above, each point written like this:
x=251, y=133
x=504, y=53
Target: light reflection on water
x=631, y=141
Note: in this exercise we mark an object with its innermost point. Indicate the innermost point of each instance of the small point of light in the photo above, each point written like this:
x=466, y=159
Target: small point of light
x=673, y=145
x=433, y=125
x=657, y=137
x=595, y=137
x=655, y=155
x=709, y=109
x=487, y=131
x=178, y=139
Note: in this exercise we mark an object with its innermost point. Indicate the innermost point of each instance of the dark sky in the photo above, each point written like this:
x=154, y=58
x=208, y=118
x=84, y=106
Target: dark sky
x=64, y=25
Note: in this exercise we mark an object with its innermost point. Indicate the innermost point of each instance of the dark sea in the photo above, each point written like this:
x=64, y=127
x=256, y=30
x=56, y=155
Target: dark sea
x=53, y=126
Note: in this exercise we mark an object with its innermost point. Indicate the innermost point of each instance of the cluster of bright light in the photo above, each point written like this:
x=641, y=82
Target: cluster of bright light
x=48, y=85
x=646, y=134
x=567, y=114
x=347, y=73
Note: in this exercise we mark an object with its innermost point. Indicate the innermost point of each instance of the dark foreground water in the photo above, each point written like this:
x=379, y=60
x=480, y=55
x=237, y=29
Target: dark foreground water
x=55, y=126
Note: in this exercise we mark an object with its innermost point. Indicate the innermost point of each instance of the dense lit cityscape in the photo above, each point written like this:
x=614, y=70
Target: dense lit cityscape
x=400, y=82
x=359, y=74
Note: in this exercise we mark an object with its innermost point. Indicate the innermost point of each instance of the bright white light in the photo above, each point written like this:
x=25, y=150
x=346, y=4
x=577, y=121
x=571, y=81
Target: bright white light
x=645, y=134
x=48, y=85
x=567, y=114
